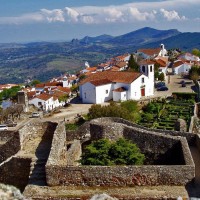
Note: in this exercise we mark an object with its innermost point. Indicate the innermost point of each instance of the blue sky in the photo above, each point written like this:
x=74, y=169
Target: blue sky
x=62, y=20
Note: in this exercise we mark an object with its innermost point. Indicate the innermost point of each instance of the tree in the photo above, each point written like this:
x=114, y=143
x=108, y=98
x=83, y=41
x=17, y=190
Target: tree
x=161, y=77
x=132, y=64
x=104, y=152
x=63, y=98
x=35, y=82
x=196, y=52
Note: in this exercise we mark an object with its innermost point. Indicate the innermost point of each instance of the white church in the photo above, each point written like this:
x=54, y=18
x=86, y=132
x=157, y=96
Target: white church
x=118, y=86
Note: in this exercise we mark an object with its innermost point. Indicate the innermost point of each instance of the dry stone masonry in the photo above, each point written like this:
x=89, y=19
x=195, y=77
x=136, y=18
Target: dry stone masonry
x=168, y=162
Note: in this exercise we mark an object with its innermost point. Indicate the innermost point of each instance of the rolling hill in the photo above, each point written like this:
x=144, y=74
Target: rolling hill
x=44, y=60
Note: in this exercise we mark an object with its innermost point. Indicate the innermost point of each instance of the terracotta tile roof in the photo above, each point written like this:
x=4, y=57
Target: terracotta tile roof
x=92, y=68
x=178, y=63
x=146, y=62
x=100, y=82
x=115, y=69
x=58, y=93
x=48, y=84
x=31, y=94
x=112, y=76
x=121, y=64
x=150, y=52
x=43, y=96
x=63, y=89
x=40, y=85
x=121, y=89
x=161, y=63
x=164, y=59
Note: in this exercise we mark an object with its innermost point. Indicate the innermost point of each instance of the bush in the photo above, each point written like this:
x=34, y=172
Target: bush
x=184, y=95
x=126, y=110
x=105, y=153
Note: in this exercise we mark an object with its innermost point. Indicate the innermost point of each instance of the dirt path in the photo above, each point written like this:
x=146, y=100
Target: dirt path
x=69, y=113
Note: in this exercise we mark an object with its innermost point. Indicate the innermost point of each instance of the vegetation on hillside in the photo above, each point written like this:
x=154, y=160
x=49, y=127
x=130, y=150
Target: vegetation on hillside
x=194, y=73
x=10, y=93
x=106, y=153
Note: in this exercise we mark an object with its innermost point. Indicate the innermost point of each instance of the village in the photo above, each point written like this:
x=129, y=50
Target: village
x=114, y=80
x=155, y=103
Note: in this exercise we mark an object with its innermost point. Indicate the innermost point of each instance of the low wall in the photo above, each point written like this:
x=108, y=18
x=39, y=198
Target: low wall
x=31, y=130
x=189, y=136
x=119, y=175
x=58, y=147
x=81, y=133
x=10, y=144
x=161, y=148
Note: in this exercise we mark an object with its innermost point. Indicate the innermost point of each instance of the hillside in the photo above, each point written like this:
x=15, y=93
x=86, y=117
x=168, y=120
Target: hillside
x=44, y=60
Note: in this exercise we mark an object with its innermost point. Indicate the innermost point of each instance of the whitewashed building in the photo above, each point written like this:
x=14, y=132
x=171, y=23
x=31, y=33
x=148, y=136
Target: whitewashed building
x=119, y=86
x=180, y=67
x=45, y=102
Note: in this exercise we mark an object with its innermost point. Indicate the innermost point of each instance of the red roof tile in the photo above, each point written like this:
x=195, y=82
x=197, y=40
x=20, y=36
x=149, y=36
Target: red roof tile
x=150, y=52
x=178, y=63
x=112, y=76
x=43, y=96
x=100, y=82
x=64, y=89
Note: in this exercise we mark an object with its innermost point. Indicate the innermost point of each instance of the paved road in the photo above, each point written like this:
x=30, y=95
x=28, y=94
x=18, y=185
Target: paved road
x=173, y=83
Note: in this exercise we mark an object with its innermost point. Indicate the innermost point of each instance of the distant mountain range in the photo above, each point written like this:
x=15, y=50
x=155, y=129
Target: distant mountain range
x=44, y=60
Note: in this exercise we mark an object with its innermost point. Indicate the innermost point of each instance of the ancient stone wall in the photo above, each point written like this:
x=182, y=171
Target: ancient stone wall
x=73, y=153
x=81, y=133
x=15, y=172
x=189, y=136
x=119, y=175
x=8, y=139
x=34, y=130
x=158, y=147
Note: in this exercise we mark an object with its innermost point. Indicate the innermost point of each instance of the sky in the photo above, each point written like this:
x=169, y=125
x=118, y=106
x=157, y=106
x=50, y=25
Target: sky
x=63, y=20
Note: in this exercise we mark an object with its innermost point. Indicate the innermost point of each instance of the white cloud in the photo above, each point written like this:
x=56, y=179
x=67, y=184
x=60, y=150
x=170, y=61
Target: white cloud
x=53, y=15
x=169, y=10
x=71, y=14
x=171, y=15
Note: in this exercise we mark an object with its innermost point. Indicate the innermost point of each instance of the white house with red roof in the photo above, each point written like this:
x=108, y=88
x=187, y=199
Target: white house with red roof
x=189, y=57
x=152, y=53
x=119, y=86
x=180, y=67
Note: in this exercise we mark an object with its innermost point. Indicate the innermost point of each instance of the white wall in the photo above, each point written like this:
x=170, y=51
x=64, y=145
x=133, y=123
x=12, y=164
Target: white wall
x=182, y=69
x=101, y=95
x=88, y=93
x=136, y=87
x=47, y=105
x=120, y=96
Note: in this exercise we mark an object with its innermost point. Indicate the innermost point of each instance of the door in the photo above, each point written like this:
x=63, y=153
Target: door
x=142, y=92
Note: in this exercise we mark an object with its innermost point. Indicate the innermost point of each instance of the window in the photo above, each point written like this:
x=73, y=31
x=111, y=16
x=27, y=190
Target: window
x=151, y=68
x=106, y=91
x=143, y=69
x=85, y=95
x=142, y=80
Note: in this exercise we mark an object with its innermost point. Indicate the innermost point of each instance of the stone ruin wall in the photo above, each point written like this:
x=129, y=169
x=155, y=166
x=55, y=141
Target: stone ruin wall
x=15, y=171
x=62, y=150
x=8, y=139
x=180, y=174
x=119, y=175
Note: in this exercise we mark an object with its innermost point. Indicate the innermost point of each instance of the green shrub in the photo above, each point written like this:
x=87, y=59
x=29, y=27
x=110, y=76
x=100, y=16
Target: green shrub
x=105, y=153
x=184, y=95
